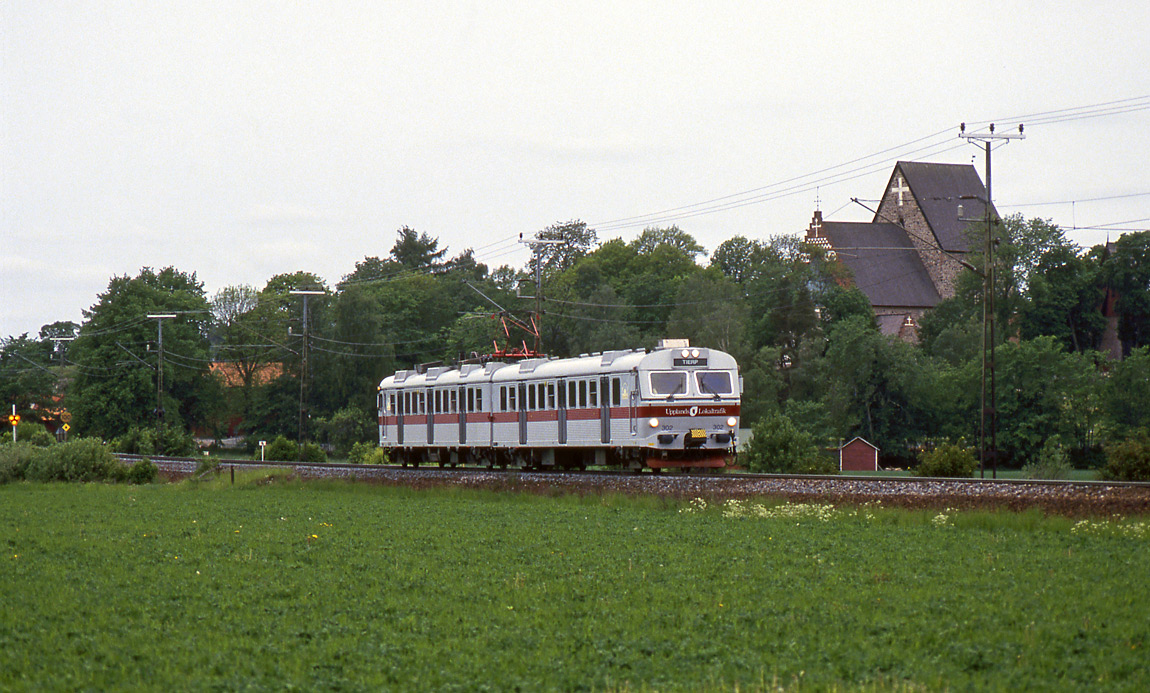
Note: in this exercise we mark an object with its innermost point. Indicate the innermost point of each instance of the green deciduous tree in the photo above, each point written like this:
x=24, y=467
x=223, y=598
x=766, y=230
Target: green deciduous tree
x=1127, y=272
x=117, y=354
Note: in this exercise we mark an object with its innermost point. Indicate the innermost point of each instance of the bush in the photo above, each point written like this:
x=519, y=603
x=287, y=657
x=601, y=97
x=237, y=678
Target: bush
x=142, y=472
x=14, y=460
x=777, y=446
x=164, y=440
x=281, y=449
x=347, y=427
x=1052, y=463
x=206, y=465
x=314, y=454
x=41, y=438
x=137, y=441
x=1129, y=460
x=85, y=459
x=948, y=459
x=361, y=452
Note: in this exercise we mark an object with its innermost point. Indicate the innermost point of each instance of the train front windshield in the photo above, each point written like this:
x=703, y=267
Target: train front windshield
x=668, y=383
x=714, y=382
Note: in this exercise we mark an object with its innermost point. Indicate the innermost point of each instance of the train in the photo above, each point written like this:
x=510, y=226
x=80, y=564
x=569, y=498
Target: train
x=674, y=406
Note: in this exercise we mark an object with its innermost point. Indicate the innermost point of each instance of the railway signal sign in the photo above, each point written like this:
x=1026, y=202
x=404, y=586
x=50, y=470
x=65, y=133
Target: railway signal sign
x=13, y=419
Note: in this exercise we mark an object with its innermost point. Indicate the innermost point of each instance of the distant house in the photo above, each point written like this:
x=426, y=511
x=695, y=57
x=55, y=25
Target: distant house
x=232, y=377
x=858, y=456
x=906, y=259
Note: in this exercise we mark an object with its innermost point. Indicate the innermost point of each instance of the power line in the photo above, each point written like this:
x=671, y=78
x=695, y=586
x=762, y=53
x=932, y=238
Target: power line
x=1071, y=202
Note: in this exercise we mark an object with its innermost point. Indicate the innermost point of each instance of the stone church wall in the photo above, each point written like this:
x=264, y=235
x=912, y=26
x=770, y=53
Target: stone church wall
x=942, y=268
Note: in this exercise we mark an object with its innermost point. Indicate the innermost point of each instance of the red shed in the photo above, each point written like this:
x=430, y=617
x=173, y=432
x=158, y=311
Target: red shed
x=858, y=456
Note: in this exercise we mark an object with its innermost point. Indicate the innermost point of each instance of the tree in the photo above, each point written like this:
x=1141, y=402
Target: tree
x=1127, y=272
x=1063, y=297
x=371, y=269
x=742, y=259
x=578, y=241
x=28, y=378
x=653, y=237
x=417, y=251
x=875, y=386
x=1126, y=392
x=117, y=354
x=710, y=311
x=250, y=344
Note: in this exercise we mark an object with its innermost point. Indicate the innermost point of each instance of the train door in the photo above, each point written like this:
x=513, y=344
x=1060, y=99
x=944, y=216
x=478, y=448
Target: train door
x=561, y=405
x=430, y=417
x=604, y=408
x=633, y=402
x=463, y=415
x=401, y=398
x=522, y=414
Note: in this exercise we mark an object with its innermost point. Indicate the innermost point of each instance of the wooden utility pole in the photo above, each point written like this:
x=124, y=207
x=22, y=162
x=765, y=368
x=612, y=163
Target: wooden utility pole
x=989, y=406
x=303, y=366
x=159, y=318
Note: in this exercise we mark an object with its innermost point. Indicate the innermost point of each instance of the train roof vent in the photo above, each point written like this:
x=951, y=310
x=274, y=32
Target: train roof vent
x=400, y=376
x=492, y=366
x=469, y=368
x=529, y=365
x=673, y=344
x=610, y=356
x=436, y=371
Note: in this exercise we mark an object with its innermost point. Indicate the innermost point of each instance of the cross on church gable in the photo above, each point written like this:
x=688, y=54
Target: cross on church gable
x=816, y=225
x=900, y=188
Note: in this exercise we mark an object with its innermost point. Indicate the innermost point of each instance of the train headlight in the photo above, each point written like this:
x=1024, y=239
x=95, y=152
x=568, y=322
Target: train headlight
x=694, y=353
x=653, y=422
x=685, y=353
x=732, y=422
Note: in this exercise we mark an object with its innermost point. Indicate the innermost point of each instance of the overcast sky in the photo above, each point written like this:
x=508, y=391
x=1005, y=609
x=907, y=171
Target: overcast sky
x=239, y=140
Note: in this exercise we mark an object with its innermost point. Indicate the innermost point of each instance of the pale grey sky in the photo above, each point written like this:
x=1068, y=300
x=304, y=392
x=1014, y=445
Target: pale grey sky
x=239, y=140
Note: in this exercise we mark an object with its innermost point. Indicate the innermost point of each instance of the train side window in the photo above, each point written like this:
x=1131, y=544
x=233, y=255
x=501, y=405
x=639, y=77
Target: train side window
x=470, y=399
x=592, y=394
x=572, y=400
x=511, y=397
x=502, y=398
x=550, y=395
x=582, y=393
x=562, y=397
x=542, y=395
x=423, y=404
x=454, y=402
x=407, y=403
x=530, y=397
x=478, y=399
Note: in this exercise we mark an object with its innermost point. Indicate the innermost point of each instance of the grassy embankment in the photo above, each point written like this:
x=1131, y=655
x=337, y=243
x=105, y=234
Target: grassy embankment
x=332, y=585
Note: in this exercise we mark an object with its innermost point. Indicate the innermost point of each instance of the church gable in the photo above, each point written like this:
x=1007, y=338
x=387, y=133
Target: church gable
x=924, y=199
x=938, y=190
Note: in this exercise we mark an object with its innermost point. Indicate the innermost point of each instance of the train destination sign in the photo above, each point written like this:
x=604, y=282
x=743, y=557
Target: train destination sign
x=691, y=363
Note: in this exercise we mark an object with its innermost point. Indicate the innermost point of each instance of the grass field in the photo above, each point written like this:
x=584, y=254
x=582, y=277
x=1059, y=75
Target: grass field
x=356, y=587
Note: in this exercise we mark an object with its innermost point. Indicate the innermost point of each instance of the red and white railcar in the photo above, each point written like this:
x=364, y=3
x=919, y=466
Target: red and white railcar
x=671, y=407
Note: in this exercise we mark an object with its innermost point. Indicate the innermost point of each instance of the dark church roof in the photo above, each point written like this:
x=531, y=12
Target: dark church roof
x=938, y=189
x=884, y=263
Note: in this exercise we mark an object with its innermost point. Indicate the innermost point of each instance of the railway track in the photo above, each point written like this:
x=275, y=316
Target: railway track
x=1063, y=497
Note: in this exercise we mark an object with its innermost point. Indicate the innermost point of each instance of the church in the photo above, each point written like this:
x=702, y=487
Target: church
x=907, y=258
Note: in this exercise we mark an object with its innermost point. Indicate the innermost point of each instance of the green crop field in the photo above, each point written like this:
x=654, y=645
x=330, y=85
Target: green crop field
x=355, y=587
